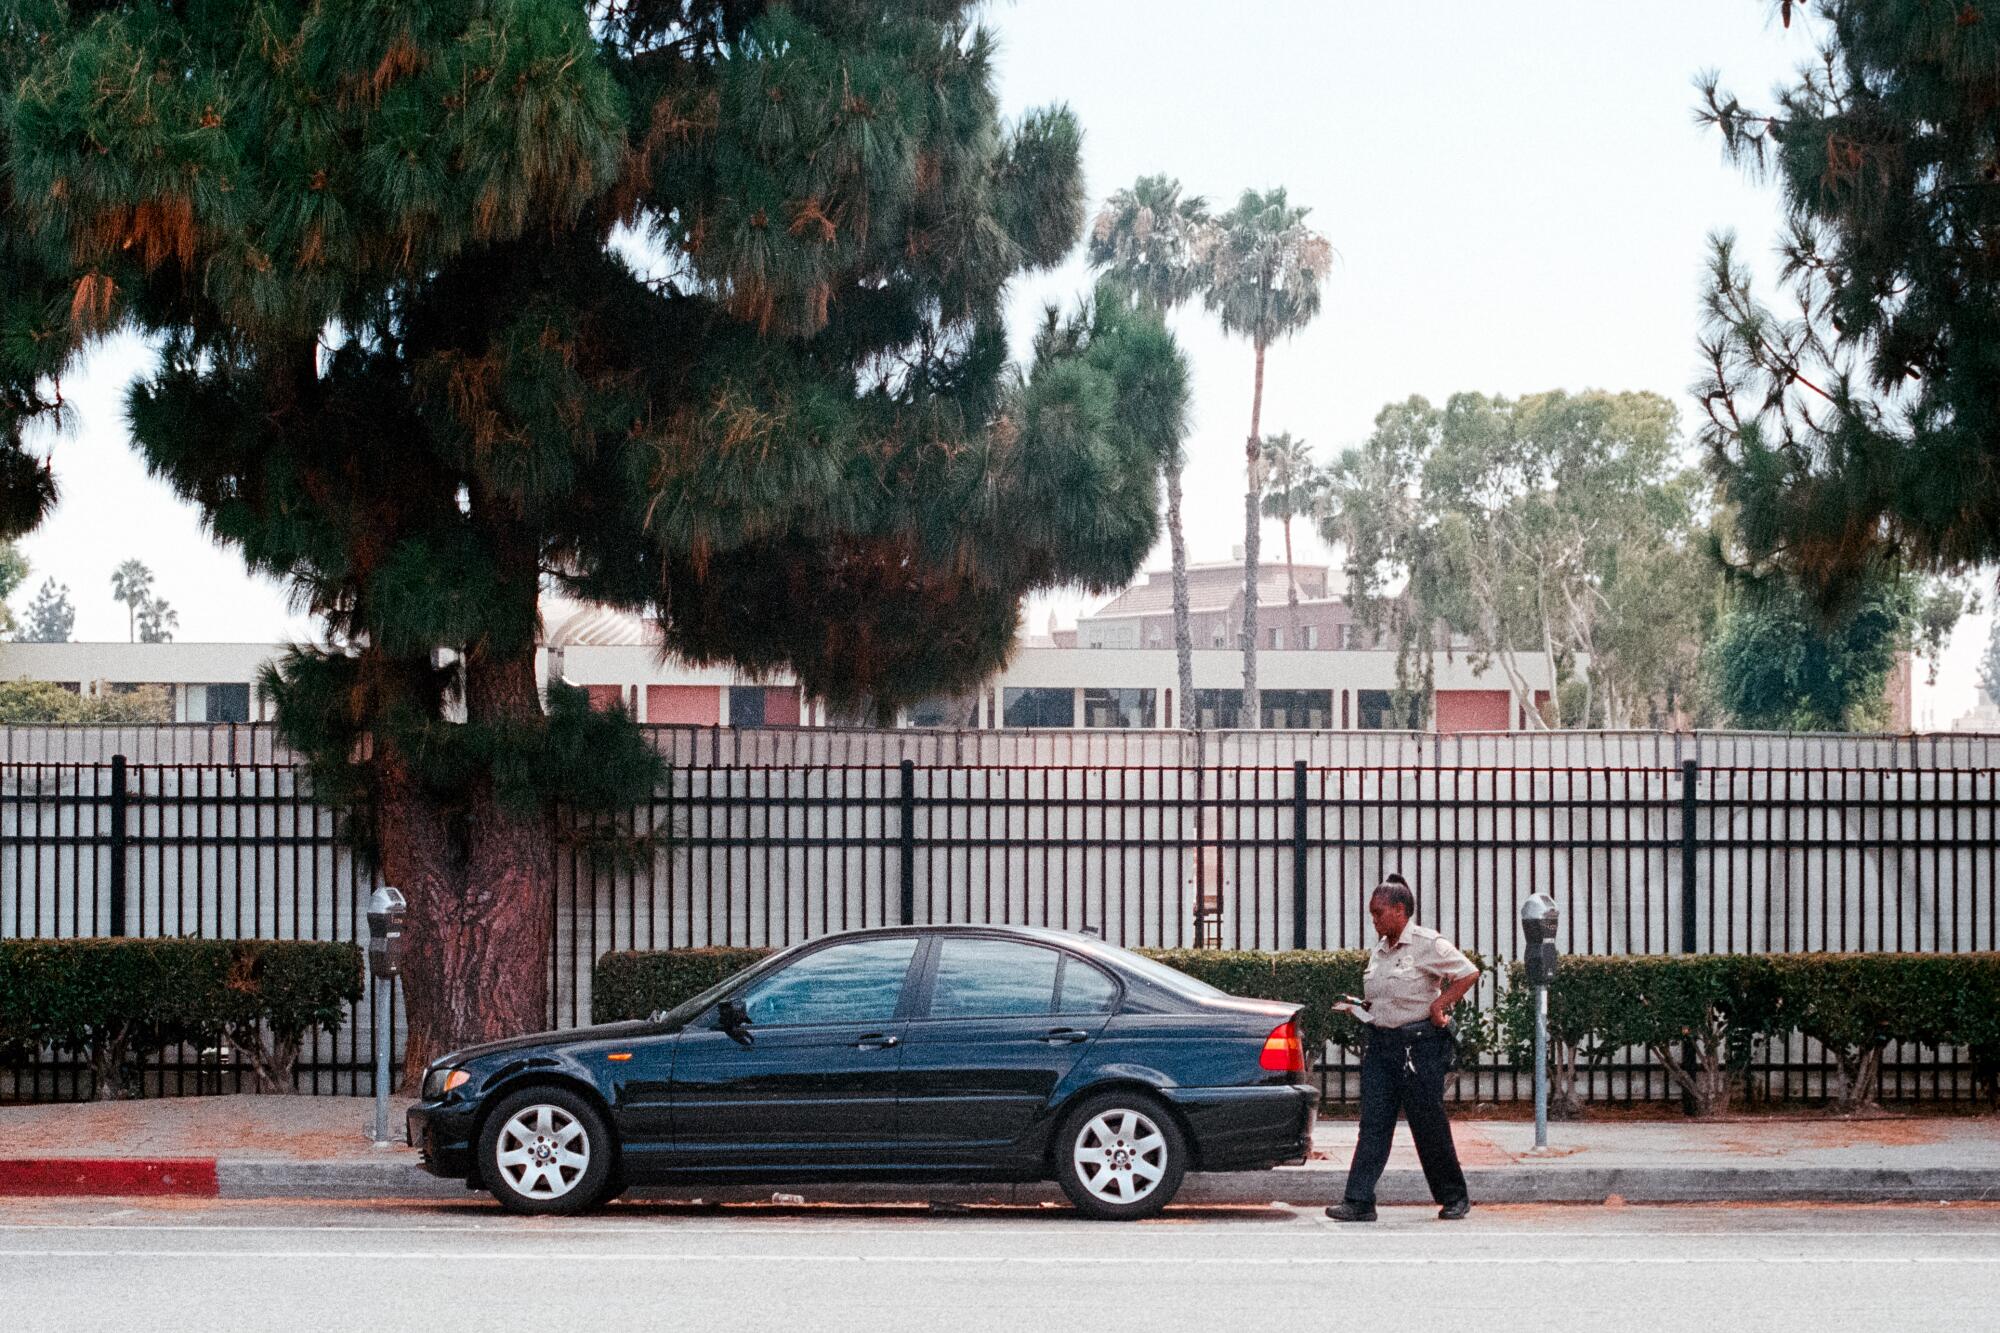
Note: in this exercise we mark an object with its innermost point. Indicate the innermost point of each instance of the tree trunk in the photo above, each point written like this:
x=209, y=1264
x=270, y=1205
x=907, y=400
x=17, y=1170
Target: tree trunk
x=1188, y=714
x=1292, y=584
x=1252, y=711
x=422, y=850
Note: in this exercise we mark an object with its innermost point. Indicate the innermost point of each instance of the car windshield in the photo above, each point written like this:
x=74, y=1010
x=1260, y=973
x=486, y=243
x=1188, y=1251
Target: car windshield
x=687, y=1009
x=1158, y=973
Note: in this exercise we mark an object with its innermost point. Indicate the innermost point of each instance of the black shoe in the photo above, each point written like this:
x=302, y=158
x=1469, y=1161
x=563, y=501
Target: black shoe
x=1451, y=1212
x=1352, y=1212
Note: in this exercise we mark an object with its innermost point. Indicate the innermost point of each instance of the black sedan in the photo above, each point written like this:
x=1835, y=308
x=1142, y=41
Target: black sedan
x=948, y=1053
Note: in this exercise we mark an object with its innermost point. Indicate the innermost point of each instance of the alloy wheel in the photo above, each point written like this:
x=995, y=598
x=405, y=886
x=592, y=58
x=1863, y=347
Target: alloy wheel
x=543, y=1151
x=1120, y=1156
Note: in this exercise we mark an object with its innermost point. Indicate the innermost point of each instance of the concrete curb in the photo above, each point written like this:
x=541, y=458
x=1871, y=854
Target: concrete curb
x=1305, y=1187
x=1300, y=1186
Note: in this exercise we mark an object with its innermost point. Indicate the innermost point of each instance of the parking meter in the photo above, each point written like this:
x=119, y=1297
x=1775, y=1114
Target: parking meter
x=386, y=911
x=1539, y=918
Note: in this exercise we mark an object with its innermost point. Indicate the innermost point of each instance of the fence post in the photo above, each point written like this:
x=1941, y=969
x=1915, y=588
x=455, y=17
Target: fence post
x=1689, y=771
x=908, y=841
x=1298, y=854
x=118, y=803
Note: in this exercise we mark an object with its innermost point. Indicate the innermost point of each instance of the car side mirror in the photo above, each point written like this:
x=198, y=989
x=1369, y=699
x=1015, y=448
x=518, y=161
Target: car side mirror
x=735, y=1020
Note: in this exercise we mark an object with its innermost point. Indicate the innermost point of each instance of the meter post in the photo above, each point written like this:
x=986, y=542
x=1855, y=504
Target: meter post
x=1539, y=918
x=386, y=911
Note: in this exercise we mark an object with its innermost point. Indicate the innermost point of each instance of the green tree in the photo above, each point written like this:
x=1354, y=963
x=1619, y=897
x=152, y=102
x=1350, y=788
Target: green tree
x=158, y=621
x=28, y=702
x=1989, y=665
x=132, y=584
x=413, y=365
x=1261, y=276
x=1293, y=486
x=1778, y=663
x=1147, y=240
x=1556, y=527
x=1862, y=422
x=51, y=618
x=13, y=572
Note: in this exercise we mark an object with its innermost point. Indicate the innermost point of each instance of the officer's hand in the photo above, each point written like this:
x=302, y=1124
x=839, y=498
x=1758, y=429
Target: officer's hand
x=1439, y=1018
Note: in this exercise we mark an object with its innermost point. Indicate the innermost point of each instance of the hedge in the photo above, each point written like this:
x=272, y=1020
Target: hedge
x=116, y=1001
x=1715, y=1006
x=635, y=983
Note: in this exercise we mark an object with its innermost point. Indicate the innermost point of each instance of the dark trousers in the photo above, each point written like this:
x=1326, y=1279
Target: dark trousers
x=1415, y=1087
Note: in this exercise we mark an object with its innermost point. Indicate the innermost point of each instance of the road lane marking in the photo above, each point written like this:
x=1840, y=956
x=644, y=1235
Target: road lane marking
x=1065, y=1260
x=544, y=1228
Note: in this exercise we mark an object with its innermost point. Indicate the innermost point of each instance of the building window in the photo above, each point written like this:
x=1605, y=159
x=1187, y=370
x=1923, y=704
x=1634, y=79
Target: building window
x=1377, y=710
x=228, y=703
x=960, y=712
x=1340, y=639
x=1040, y=707
x=1152, y=636
x=746, y=706
x=1312, y=636
x=1296, y=710
x=1277, y=636
x=1117, y=708
x=1218, y=710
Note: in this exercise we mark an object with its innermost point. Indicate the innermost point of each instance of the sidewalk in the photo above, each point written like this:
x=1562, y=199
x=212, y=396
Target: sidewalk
x=317, y=1147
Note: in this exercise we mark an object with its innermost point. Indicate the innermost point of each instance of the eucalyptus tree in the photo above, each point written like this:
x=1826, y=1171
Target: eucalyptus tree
x=1262, y=274
x=1147, y=240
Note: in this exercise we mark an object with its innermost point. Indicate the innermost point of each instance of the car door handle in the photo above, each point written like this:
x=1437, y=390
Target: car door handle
x=1066, y=1036
x=876, y=1041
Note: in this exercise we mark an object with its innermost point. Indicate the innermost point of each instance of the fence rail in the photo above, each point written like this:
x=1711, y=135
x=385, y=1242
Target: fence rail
x=1652, y=843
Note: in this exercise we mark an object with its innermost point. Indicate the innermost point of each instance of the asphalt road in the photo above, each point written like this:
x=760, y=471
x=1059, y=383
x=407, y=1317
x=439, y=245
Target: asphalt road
x=139, y=1267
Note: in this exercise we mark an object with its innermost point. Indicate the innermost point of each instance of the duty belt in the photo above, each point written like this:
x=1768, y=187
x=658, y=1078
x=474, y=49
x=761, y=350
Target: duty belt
x=1406, y=1037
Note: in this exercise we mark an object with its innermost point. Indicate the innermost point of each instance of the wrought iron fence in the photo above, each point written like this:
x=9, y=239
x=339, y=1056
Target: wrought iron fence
x=1653, y=843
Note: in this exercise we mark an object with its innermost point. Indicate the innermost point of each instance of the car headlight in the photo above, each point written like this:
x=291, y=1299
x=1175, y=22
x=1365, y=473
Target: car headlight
x=440, y=1081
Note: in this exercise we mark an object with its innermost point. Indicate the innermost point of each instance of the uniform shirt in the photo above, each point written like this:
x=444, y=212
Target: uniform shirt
x=1403, y=979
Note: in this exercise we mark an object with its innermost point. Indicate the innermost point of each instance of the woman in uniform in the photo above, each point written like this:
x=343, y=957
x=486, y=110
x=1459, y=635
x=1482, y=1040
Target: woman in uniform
x=1414, y=978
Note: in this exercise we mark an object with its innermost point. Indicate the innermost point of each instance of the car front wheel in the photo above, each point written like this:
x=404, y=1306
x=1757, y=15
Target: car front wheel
x=547, y=1151
x=1121, y=1156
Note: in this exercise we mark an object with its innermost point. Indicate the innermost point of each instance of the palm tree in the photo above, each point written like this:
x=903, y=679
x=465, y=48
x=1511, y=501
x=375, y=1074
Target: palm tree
x=1261, y=274
x=132, y=584
x=1147, y=240
x=1293, y=488
x=158, y=621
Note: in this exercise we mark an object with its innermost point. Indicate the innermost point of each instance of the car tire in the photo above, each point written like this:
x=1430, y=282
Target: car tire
x=1120, y=1156
x=547, y=1151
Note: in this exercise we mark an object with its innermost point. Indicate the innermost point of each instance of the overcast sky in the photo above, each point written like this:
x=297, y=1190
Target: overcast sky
x=1517, y=193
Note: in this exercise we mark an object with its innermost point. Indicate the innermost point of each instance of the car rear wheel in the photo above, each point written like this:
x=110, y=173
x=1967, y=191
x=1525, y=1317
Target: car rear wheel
x=546, y=1150
x=1121, y=1156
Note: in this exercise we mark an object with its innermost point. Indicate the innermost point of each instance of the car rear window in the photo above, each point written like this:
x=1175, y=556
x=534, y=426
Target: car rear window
x=1162, y=975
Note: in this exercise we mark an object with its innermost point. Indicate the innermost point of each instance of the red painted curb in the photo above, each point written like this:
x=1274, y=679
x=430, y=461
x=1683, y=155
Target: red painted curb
x=192, y=1176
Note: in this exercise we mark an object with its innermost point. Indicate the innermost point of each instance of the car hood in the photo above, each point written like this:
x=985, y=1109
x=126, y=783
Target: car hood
x=556, y=1037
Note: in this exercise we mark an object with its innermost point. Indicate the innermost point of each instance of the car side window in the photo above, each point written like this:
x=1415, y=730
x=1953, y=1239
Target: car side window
x=860, y=982
x=1085, y=990
x=993, y=979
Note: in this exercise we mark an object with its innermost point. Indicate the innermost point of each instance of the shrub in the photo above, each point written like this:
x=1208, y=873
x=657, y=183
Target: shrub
x=114, y=1002
x=281, y=992
x=635, y=983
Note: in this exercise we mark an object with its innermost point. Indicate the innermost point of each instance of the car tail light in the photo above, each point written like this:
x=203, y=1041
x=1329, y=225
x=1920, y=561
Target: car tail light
x=1283, y=1051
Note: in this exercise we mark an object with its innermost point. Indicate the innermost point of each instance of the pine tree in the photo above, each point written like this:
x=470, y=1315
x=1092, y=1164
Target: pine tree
x=688, y=308
x=1862, y=426
x=51, y=618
